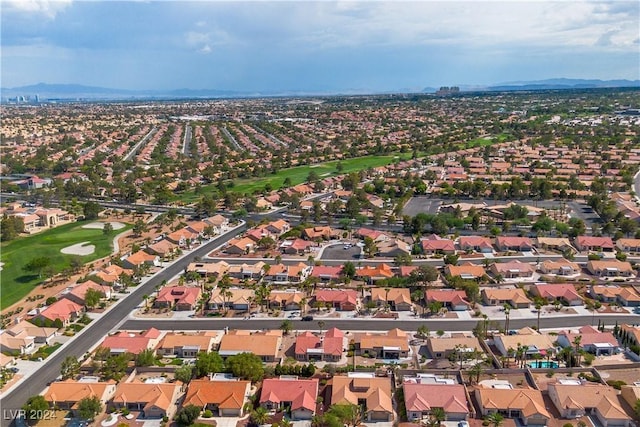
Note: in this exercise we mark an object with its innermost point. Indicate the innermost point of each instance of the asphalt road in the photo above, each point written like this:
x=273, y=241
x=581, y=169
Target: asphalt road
x=95, y=331
x=370, y=324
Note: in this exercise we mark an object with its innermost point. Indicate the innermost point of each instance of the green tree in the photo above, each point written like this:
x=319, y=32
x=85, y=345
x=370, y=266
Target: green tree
x=495, y=418
x=184, y=373
x=187, y=415
x=89, y=407
x=91, y=210
x=70, y=368
x=286, y=326
x=35, y=405
x=259, y=416
x=114, y=367
x=146, y=357
x=10, y=227
x=92, y=297
x=247, y=366
x=438, y=415
x=349, y=414
x=37, y=265
x=349, y=270
x=108, y=228
x=207, y=363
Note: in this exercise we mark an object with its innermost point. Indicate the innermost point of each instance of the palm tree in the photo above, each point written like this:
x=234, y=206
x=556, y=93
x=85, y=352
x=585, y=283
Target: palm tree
x=507, y=311
x=321, y=325
x=438, y=415
x=495, y=418
x=578, y=353
x=259, y=416
x=386, y=298
x=538, y=310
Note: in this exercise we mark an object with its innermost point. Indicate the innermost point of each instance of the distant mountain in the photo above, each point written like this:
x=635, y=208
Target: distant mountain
x=47, y=91
x=563, y=83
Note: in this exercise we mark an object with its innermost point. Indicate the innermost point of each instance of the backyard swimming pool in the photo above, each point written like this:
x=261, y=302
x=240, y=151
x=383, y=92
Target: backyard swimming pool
x=542, y=364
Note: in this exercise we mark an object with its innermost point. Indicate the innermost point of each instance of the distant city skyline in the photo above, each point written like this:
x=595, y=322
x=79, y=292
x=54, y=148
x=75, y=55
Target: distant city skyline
x=315, y=46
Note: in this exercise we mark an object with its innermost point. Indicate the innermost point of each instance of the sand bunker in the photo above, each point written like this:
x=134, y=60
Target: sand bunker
x=100, y=225
x=83, y=248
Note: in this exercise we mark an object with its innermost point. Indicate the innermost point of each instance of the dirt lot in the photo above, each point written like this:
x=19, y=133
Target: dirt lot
x=628, y=375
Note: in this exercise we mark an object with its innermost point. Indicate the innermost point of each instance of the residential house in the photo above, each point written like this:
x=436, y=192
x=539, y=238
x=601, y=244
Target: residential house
x=476, y=244
x=534, y=343
x=631, y=332
x=209, y=269
x=393, y=248
x=291, y=394
x=452, y=299
x=240, y=246
x=66, y=395
x=327, y=273
x=375, y=235
x=286, y=300
x=296, y=247
x=187, y=345
x=591, y=340
x=222, y=398
x=64, y=311
x=610, y=268
x=366, y=390
x=515, y=297
x=112, y=275
x=139, y=258
x=435, y=244
x=22, y=337
x=238, y=299
x=629, y=246
x=594, y=244
x=559, y=244
x=514, y=243
x=183, y=237
x=77, y=293
x=180, y=298
x=281, y=273
x=552, y=292
x=467, y=271
x=630, y=394
x=389, y=345
x=626, y=296
x=512, y=270
x=340, y=299
x=264, y=344
x=319, y=233
x=150, y=399
x=443, y=347
x=372, y=273
x=218, y=222
x=574, y=399
x=131, y=342
x=421, y=399
x=164, y=248
x=524, y=404
x=323, y=348
x=398, y=299
x=278, y=227
x=247, y=271
x=560, y=267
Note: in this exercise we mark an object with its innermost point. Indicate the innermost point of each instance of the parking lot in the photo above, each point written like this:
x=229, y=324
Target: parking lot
x=338, y=251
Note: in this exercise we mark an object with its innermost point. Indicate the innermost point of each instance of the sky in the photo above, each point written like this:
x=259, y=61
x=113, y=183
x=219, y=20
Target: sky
x=315, y=45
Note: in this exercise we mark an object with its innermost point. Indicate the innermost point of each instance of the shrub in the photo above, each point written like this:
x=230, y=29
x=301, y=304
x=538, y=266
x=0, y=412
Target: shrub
x=617, y=384
x=567, y=425
x=207, y=414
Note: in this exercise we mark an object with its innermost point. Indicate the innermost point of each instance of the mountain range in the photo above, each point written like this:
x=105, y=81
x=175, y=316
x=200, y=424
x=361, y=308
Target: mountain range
x=47, y=91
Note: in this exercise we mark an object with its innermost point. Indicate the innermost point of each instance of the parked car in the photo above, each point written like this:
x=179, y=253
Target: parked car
x=307, y=318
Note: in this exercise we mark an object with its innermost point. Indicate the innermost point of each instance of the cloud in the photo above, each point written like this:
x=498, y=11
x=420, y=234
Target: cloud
x=48, y=8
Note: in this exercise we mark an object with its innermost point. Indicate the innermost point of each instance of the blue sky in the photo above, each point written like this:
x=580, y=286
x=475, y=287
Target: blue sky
x=315, y=46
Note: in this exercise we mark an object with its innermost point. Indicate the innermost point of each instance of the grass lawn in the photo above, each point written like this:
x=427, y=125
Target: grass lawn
x=16, y=283
x=482, y=142
x=299, y=174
